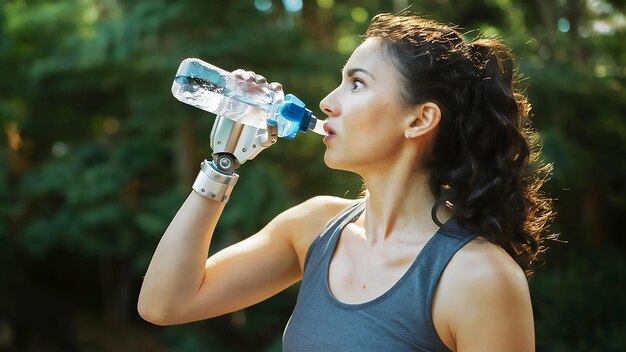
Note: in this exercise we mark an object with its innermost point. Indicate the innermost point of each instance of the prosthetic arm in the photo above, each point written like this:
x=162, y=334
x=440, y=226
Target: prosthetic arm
x=233, y=144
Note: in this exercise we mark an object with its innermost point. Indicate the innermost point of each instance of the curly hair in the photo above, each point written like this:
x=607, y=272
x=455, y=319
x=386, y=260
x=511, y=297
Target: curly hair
x=484, y=159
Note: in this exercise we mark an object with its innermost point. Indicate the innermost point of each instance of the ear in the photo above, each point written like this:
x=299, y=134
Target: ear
x=423, y=119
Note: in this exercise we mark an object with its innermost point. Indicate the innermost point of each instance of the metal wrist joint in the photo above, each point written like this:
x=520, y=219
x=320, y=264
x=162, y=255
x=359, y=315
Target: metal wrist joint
x=213, y=184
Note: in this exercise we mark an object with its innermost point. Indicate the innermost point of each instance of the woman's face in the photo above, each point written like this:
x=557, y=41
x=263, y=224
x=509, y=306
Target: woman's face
x=365, y=112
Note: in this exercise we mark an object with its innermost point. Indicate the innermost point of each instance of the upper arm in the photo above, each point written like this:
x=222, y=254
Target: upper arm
x=261, y=265
x=498, y=316
x=491, y=310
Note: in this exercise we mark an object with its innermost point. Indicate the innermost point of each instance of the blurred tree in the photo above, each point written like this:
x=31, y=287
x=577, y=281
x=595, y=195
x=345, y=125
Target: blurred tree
x=98, y=155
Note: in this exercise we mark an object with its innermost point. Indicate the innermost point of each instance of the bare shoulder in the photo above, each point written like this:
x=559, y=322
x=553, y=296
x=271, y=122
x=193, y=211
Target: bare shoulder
x=315, y=210
x=305, y=221
x=483, y=300
x=485, y=262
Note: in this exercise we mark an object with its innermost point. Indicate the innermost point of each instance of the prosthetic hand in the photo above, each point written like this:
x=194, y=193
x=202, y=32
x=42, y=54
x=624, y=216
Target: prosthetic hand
x=233, y=144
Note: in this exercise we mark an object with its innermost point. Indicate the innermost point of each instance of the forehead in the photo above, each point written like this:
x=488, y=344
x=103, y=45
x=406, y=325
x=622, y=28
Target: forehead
x=368, y=55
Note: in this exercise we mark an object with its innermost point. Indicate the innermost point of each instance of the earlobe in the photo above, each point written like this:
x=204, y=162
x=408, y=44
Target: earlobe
x=410, y=129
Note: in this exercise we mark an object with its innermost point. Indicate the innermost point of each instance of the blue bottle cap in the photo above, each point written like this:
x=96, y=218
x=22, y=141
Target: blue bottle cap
x=306, y=120
x=293, y=108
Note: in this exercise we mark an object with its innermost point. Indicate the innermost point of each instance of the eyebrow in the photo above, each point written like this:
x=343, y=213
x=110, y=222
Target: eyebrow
x=352, y=71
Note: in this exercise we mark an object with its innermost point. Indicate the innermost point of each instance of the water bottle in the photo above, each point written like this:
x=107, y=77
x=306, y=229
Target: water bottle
x=218, y=91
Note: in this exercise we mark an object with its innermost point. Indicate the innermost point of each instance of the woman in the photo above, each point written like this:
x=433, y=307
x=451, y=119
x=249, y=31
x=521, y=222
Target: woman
x=436, y=255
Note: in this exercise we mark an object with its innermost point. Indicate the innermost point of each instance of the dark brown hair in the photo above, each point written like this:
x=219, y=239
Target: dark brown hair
x=483, y=163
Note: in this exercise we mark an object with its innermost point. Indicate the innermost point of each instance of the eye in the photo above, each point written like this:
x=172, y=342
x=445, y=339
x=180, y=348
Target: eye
x=356, y=84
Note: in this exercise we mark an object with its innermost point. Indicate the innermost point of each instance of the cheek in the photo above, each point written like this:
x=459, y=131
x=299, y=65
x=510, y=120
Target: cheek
x=368, y=135
x=369, y=110
x=376, y=118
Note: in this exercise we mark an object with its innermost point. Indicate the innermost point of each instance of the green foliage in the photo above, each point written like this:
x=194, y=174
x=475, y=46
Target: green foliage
x=580, y=308
x=97, y=155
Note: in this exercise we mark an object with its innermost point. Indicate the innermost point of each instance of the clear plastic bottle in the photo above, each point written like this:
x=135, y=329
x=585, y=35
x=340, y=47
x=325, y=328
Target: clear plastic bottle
x=218, y=91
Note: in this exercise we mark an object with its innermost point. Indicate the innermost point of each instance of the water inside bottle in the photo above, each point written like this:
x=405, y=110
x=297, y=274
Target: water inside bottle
x=212, y=89
x=255, y=94
x=207, y=96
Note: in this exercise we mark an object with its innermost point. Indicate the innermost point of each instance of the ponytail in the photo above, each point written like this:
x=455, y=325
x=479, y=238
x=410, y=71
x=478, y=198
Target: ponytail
x=484, y=161
x=502, y=200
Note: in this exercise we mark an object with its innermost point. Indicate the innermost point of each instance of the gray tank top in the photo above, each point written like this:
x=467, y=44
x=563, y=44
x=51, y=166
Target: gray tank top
x=398, y=320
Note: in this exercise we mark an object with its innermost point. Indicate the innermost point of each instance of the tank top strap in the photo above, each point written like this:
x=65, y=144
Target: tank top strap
x=332, y=230
x=450, y=238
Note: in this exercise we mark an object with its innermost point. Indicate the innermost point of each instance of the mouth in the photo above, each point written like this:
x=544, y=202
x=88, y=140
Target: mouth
x=329, y=131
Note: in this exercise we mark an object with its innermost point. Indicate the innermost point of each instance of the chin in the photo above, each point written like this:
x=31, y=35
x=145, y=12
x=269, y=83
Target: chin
x=337, y=164
x=331, y=162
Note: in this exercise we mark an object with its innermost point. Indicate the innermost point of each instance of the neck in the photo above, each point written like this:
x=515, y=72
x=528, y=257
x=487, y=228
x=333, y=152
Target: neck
x=398, y=205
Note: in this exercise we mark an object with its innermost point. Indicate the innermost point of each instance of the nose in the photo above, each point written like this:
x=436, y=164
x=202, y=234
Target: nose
x=330, y=104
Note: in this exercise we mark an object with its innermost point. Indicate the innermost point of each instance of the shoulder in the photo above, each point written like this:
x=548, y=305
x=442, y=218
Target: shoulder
x=486, y=300
x=315, y=211
x=487, y=262
x=307, y=220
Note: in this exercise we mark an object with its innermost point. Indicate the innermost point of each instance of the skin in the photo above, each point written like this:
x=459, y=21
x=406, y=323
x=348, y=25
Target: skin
x=482, y=302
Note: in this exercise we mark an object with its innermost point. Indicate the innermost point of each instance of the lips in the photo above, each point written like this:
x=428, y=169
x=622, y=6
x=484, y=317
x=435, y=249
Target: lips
x=329, y=131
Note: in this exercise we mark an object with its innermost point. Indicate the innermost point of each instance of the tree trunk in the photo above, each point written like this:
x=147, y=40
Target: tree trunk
x=187, y=154
x=116, y=279
x=593, y=217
